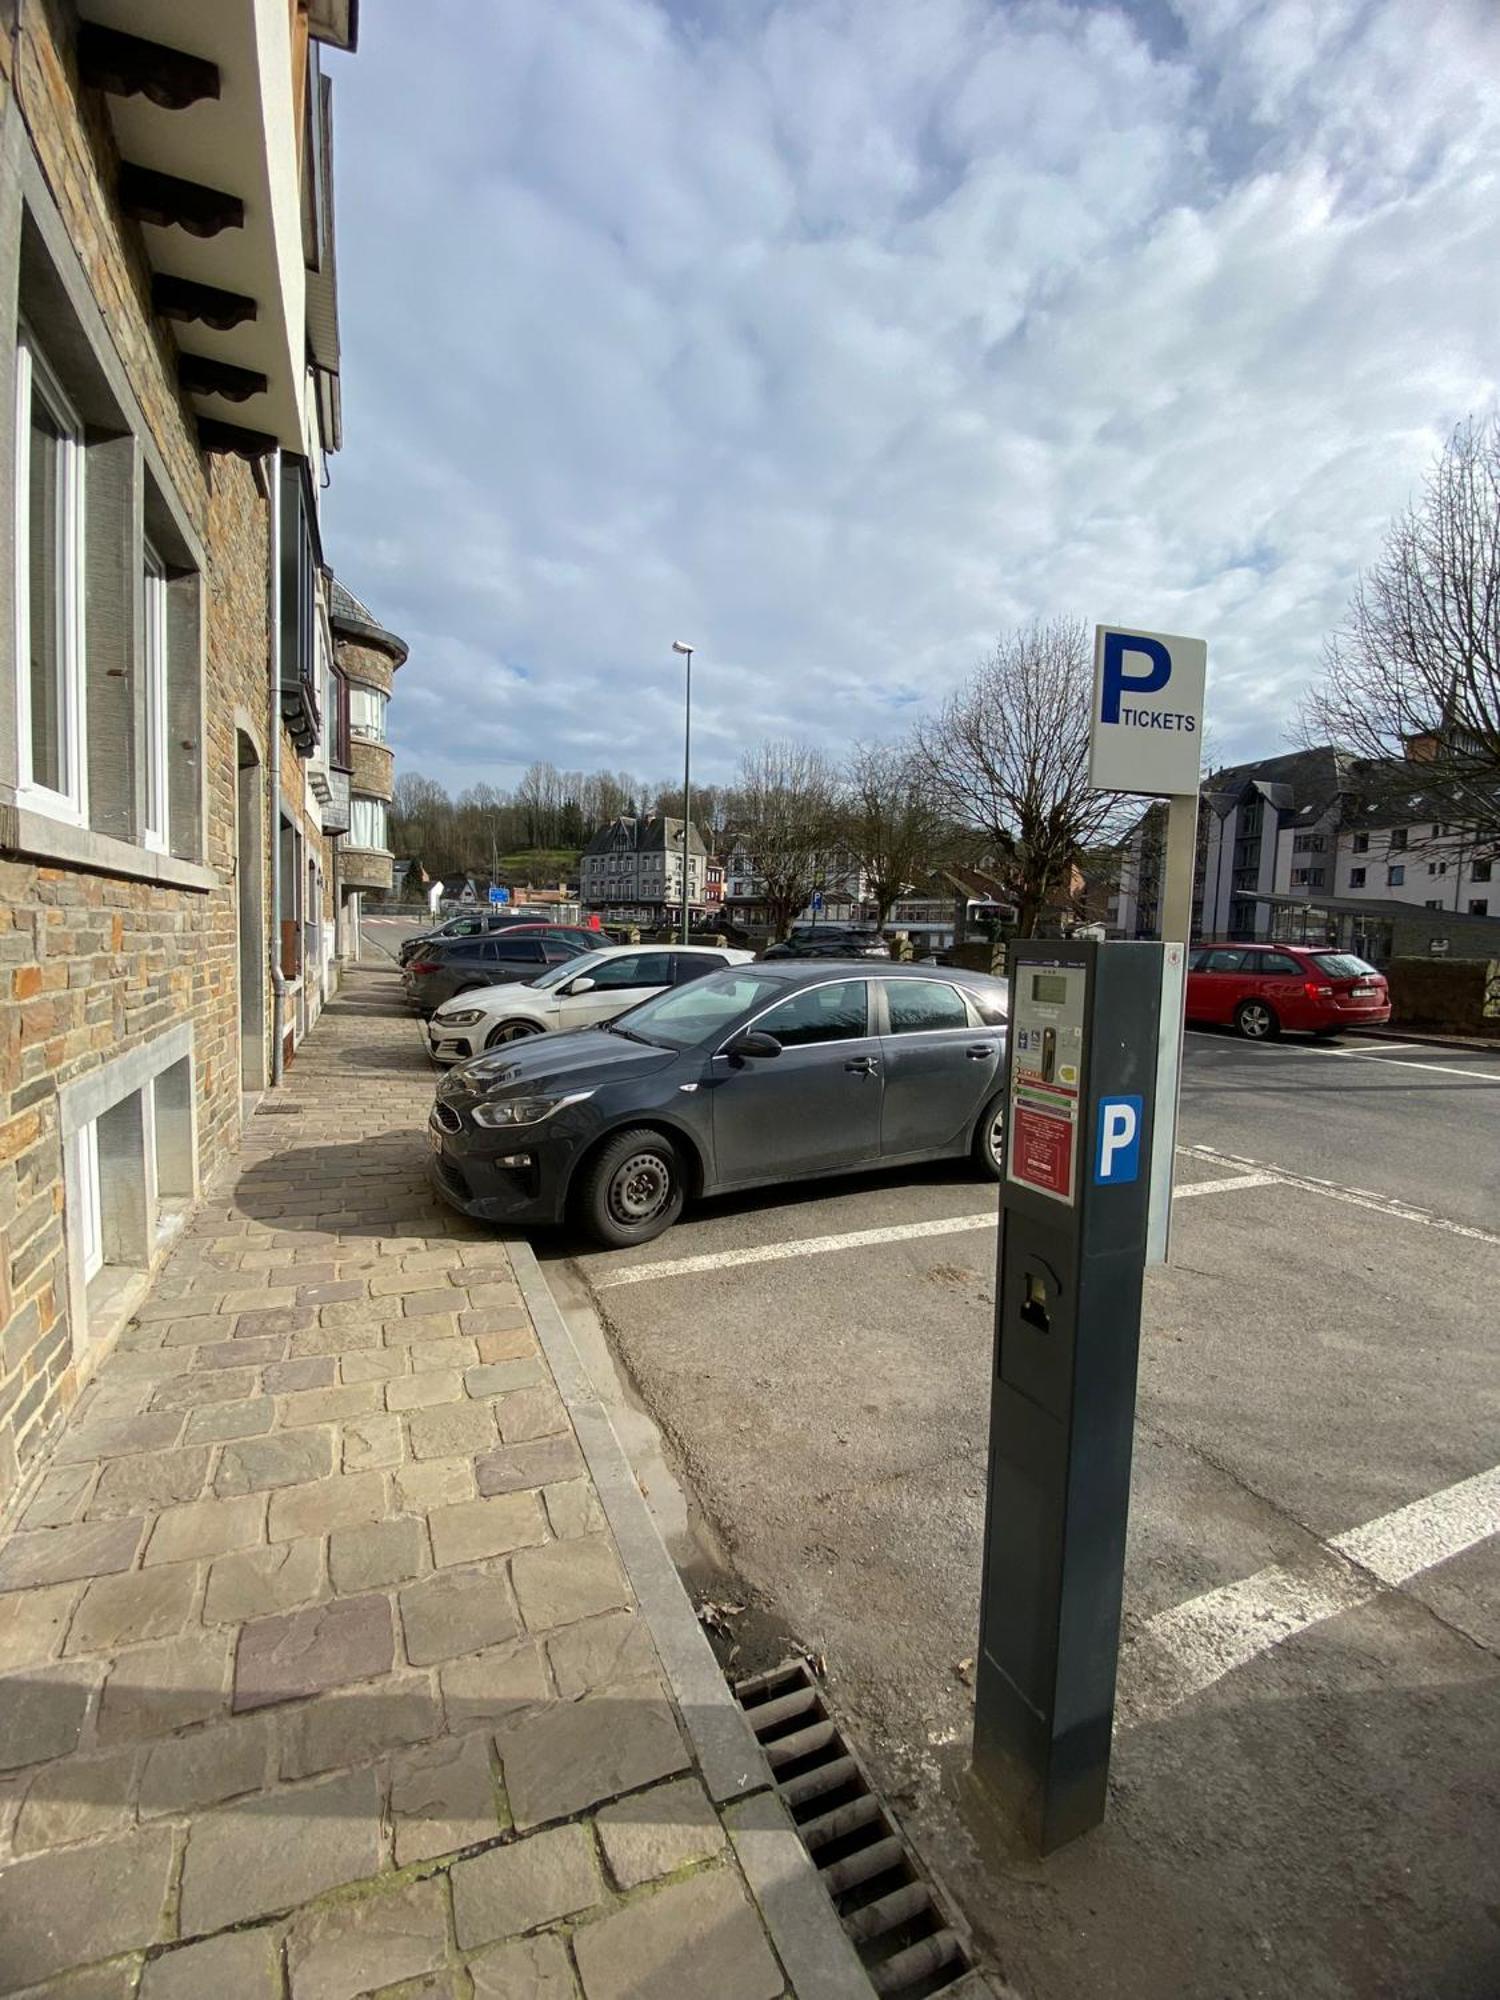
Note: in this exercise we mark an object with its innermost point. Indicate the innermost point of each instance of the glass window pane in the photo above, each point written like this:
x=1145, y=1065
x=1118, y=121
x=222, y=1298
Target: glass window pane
x=823, y=1014
x=47, y=569
x=918, y=1004
x=154, y=668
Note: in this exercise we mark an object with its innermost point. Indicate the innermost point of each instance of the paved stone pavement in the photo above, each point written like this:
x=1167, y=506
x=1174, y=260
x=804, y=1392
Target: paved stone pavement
x=319, y=1674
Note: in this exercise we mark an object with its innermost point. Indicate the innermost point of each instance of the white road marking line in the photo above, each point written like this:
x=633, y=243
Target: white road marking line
x=1224, y=1186
x=1398, y=1062
x=1381, y=1204
x=853, y=1239
x=1198, y=1643
x=1400, y=1546
x=809, y=1246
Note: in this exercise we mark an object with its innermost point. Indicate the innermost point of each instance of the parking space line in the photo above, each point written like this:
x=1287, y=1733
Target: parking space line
x=1399, y=1062
x=853, y=1239
x=1206, y=1638
x=1400, y=1546
x=1222, y=1187
x=1379, y=1204
x=807, y=1246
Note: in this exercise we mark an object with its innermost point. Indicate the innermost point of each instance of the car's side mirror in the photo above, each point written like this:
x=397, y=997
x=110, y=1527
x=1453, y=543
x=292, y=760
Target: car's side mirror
x=752, y=1044
x=582, y=984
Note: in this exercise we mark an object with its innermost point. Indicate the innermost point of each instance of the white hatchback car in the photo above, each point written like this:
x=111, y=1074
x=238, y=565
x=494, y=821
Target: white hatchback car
x=580, y=993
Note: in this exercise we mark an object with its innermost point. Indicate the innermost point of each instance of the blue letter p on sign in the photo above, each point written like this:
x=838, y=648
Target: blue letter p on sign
x=1117, y=1145
x=1118, y=682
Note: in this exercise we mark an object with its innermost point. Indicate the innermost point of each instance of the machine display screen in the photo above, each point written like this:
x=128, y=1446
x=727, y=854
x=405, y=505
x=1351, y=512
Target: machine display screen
x=1049, y=989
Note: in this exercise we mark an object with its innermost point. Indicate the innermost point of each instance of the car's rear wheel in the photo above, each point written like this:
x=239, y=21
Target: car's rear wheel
x=989, y=1140
x=511, y=1031
x=1257, y=1021
x=632, y=1189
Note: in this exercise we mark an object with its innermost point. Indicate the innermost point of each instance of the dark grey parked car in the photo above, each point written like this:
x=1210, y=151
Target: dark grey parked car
x=458, y=965
x=830, y=941
x=758, y=1074
x=470, y=923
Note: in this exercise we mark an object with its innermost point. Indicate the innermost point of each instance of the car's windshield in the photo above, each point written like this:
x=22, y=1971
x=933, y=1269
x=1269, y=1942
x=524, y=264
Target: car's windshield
x=688, y=1015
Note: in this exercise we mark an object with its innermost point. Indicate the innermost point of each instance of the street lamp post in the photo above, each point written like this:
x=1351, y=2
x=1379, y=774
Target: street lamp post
x=687, y=779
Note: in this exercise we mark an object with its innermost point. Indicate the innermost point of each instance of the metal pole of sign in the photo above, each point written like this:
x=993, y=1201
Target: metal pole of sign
x=1177, y=936
x=679, y=646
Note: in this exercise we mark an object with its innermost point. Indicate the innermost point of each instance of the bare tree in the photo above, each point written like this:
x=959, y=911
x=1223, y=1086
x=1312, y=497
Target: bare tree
x=783, y=808
x=889, y=819
x=1008, y=756
x=1414, y=670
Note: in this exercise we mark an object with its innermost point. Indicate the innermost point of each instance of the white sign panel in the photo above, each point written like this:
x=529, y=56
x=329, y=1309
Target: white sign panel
x=1146, y=731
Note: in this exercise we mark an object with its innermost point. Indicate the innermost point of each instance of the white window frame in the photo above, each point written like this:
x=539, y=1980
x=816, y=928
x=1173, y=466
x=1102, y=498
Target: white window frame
x=33, y=376
x=157, y=825
x=365, y=732
x=90, y=1206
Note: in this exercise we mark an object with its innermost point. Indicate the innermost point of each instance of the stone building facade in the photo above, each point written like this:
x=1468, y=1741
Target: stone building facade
x=174, y=766
x=367, y=657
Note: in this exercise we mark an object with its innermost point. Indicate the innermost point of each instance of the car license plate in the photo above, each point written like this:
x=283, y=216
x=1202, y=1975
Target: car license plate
x=1361, y=992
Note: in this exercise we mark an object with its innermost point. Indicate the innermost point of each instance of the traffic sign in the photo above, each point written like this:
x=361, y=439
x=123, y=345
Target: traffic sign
x=815, y=903
x=1117, y=1151
x=1146, y=727
x=498, y=894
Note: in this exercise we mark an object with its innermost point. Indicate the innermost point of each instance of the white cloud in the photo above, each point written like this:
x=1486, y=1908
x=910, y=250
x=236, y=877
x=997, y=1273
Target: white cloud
x=836, y=334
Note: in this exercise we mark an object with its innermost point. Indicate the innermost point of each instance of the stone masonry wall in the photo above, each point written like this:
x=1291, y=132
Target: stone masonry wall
x=92, y=964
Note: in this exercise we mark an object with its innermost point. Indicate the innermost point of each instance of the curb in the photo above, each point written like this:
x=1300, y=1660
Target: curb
x=819, y=1960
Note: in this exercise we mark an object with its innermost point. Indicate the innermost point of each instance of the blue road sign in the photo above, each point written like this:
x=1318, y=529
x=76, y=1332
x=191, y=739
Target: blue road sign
x=816, y=903
x=497, y=894
x=1117, y=1142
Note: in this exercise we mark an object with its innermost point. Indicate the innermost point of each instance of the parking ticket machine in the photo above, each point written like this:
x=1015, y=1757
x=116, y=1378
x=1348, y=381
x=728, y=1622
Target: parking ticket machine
x=1081, y=1075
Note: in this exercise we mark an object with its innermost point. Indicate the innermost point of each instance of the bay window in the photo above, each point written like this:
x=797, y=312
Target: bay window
x=367, y=824
x=367, y=713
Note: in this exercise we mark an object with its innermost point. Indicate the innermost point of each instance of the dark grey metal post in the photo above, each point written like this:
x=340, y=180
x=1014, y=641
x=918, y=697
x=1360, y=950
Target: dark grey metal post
x=687, y=790
x=1080, y=1097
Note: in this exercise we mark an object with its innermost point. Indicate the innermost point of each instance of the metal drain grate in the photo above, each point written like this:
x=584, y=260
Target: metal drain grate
x=891, y=1913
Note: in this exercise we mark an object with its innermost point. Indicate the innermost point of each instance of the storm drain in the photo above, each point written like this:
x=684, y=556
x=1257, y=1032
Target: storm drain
x=890, y=1912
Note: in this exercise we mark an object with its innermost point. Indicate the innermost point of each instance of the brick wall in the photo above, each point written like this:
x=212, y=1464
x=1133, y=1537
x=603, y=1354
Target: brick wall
x=93, y=965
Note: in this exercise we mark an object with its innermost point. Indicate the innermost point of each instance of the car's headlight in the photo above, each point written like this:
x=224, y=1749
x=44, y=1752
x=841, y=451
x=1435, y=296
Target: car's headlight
x=508, y=1111
x=464, y=1017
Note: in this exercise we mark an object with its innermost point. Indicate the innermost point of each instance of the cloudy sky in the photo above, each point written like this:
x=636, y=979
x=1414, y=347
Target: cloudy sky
x=837, y=335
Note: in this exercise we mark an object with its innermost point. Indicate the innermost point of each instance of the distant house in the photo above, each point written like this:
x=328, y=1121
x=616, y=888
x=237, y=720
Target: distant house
x=634, y=865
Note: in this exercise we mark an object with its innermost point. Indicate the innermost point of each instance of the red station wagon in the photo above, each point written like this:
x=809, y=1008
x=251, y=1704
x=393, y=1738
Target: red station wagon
x=1262, y=988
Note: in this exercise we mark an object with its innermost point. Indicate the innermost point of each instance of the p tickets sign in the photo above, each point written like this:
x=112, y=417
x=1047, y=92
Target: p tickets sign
x=1146, y=732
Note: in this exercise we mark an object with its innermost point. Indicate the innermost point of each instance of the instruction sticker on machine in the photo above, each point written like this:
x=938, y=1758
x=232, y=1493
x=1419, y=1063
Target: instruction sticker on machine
x=1046, y=1080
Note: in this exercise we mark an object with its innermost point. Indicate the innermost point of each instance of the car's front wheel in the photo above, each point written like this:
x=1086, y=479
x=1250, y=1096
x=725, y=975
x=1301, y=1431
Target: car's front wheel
x=989, y=1140
x=1257, y=1021
x=632, y=1189
x=511, y=1031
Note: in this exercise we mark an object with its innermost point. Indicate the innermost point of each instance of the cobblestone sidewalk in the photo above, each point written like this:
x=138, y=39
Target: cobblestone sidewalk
x=321, y=1675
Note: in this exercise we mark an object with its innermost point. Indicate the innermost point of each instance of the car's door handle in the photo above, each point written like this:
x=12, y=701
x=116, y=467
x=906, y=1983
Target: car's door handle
x=862, y=1065
x=980, y=1051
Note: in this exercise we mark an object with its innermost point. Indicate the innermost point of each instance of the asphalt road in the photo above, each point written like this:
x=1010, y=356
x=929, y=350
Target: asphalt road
x=1319, y=1816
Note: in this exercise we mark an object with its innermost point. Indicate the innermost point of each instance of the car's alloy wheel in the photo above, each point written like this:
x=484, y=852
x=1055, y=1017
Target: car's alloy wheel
x=989, y=1139
x=1256, y=1021
x=511, y=1031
